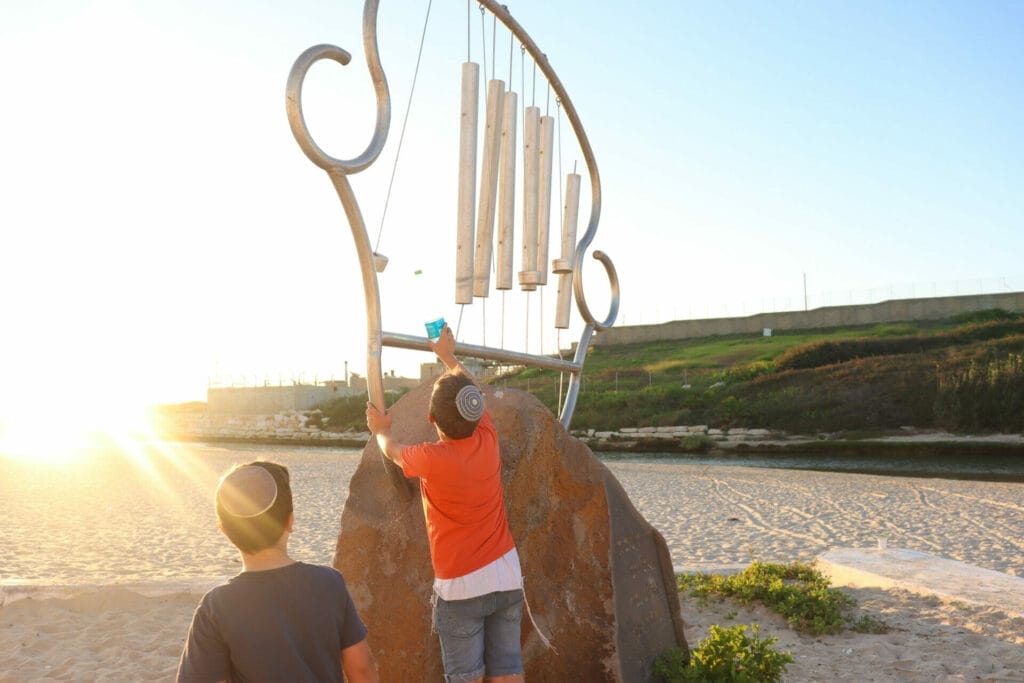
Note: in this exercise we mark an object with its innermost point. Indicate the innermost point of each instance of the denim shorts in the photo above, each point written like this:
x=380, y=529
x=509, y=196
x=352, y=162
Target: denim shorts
x=480, y=635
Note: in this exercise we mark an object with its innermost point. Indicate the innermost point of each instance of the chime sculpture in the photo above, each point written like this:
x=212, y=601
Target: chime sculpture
x=486, y=221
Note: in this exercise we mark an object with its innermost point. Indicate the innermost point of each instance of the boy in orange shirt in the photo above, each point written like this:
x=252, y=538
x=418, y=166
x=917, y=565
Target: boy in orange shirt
x=478, y=593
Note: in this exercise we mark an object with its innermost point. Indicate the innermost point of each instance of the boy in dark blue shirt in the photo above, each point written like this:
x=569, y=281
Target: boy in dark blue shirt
x=279, y=620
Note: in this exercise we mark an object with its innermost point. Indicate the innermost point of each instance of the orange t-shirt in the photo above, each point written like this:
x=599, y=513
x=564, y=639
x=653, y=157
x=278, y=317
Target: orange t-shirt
x=463, y=500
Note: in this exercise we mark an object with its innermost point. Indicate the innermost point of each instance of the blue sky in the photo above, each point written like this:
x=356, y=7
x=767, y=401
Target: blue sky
x=161, y=226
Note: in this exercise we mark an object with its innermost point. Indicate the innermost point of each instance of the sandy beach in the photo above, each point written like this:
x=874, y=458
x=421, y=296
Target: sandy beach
x=711, y=516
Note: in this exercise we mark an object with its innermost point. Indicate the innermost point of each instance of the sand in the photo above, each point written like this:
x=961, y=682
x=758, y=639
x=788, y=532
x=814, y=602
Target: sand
x=711, y=517
x=116, y=635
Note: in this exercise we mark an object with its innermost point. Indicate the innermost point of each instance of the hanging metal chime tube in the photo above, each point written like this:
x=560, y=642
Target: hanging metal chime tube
x=529, y=278
x=547, y=137
x=506, y=193
x=488, y=189
x=563, y=266
x=467, y=183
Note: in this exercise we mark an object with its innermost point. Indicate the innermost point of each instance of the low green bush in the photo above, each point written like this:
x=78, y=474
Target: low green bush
x=986, y=316
x=696, y=443
x=986, y=395
x=830, y=352
x=727, y=654
x=348, y=412
x=797, y=591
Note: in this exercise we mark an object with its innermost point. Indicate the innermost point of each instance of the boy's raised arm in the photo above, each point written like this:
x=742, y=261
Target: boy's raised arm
x=444, y=347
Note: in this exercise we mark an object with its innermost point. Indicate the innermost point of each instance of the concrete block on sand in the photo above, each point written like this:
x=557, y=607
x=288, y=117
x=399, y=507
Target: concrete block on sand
x=922, y=573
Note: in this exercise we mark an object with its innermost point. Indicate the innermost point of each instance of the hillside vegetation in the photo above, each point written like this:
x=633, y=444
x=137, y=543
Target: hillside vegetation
x=964, y=374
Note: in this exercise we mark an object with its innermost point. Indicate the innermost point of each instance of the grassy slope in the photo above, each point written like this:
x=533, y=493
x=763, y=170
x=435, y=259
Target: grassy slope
x=793, y=382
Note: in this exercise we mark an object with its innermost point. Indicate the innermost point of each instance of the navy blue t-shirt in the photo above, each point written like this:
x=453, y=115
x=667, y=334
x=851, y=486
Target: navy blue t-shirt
x=287, y=624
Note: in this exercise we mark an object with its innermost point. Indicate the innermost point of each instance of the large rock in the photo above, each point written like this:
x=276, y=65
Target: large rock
x=598, y=577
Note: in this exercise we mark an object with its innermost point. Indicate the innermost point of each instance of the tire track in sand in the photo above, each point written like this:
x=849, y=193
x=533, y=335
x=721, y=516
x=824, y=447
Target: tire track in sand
x=757, y=517
x=970, y=519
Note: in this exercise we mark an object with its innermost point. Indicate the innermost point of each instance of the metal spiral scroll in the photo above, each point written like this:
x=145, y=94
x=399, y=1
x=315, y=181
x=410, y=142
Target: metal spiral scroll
x=339, y=169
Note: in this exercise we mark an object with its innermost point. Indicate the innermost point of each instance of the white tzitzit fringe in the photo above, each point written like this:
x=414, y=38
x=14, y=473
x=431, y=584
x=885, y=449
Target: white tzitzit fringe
x=529, y=613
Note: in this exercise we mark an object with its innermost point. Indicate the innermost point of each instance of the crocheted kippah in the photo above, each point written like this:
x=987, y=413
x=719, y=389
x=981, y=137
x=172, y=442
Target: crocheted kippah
x=470, y=403
x=247, y=492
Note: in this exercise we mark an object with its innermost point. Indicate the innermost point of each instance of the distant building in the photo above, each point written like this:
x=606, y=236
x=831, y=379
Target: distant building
x=270, y=400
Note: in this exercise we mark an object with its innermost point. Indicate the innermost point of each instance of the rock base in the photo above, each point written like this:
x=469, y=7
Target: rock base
x=598, y=577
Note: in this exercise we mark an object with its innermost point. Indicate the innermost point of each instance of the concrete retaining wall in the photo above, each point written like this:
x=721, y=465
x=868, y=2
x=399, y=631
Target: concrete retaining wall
x=896, y=310
x=674, y=434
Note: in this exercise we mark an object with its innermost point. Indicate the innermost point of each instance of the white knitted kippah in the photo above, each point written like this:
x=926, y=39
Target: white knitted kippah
x=248, y=491
x=470, y=403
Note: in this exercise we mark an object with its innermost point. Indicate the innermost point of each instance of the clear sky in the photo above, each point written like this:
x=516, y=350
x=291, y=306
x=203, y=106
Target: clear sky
x=161, y=228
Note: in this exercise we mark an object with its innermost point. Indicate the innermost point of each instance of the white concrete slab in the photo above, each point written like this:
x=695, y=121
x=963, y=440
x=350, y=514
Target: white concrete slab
x=924, y=574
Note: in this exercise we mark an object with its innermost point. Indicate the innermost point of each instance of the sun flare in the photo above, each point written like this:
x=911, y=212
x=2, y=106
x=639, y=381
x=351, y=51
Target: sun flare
x=58, y=439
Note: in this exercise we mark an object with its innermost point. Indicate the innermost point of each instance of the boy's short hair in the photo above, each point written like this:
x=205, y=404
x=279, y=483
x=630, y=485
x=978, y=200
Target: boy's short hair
x=456, y=405
x=254, y=502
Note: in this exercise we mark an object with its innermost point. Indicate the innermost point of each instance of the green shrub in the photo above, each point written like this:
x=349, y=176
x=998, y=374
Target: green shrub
x=986, y=316
x=727, y=654
x=863, y=394
x=745, y=373
x=345, y=413
x=830, y=352
x=797, y=591
x=696, y=443
x=986, y=395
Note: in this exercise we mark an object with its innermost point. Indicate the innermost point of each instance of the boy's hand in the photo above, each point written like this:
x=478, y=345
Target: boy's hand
x=376, y=421
x=444, y=347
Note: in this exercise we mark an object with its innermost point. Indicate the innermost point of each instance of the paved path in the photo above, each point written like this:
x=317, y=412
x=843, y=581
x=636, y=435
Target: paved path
x=920, y=572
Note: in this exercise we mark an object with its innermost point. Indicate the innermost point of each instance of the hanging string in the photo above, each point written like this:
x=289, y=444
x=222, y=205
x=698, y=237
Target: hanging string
x=526, y=326
x=469, y=58
x=522, y=76
x=483, y=39
x=561, y=374
x=561, y=203
x=405, y=122
x=511, y=61
x=540, y=295
x=483, y=52
x=533, y=95
x=494, y=45
x=511, y=44
x=522, y=87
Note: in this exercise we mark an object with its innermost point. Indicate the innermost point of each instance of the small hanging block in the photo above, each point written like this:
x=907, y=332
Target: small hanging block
x=547, y=137
x=529, y=277
x=467, y=183
x=564, y=266
x=506, y=193
x=488, y=190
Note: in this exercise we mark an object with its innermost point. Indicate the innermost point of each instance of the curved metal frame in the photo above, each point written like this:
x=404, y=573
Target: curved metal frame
x=339, y=169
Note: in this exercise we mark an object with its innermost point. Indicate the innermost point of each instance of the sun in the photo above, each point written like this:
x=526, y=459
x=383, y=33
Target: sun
x=55, y=439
